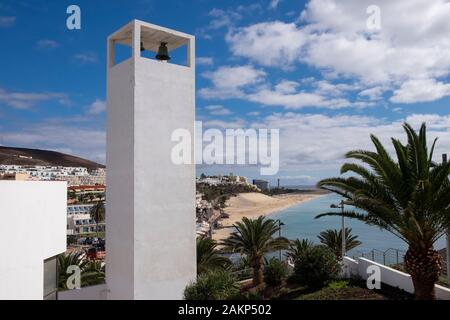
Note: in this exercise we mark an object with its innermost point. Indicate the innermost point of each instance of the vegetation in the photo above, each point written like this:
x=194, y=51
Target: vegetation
x=220, y=194
x=92, y=272
x=333, y=240
x=274, y=272
x=408, y=197
x=255, y=238
x=351, y=289
x=213, y=285
x=98, y=214
x=315, y=267
x=208, y=257
x=297, y=248
x=71, y=239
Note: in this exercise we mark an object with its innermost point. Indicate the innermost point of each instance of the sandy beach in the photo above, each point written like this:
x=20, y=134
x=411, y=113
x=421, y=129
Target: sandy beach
x=253, y=205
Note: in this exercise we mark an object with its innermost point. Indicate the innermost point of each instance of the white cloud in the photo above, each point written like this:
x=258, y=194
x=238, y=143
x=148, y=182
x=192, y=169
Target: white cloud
x=331, y=35
x=26, y=100
x=274, y=4
x=218, y=110
x=86, y=57
x=47, y=44
x=205, y=61
x=316, y=144
x=78, y=140
x=287, y=87
x=228, y=81
x=237, y=123
x=373, y=94
x=421, y=90
x=296, y=100
x=319, y=142
x=6, y=21
x=97, y=107
x=250, y=84
x=223, y=18
x=268, y=43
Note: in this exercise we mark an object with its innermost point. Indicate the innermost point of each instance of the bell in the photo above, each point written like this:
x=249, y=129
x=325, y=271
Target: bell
x=142, y=47
x=163, y=52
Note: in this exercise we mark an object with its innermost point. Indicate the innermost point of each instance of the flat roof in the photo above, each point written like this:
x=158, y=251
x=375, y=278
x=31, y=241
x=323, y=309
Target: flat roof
x=151, y=36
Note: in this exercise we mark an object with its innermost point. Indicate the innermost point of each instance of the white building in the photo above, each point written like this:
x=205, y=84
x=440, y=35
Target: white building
x=46, y=172
x=32, y=234
x=151, y=201
x=81, y=224
x=79, y=221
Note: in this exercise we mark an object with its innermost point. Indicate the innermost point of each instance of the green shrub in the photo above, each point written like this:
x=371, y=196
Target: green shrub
x=213, y=285
x=274, y=272
x=338, y=284
x=71, y=239
x=316, y=267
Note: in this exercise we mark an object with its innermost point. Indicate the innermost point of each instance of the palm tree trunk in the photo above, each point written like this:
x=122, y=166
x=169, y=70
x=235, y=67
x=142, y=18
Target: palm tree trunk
x=425, y=267
x=257, y=272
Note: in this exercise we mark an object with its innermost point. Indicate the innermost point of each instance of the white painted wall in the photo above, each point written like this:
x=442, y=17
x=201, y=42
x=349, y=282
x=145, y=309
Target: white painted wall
x=32, y=229
x=389, y=276
x=87, y=293
x=151, y=201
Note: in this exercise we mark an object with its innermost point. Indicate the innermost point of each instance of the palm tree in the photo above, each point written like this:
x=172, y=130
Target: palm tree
x=92, y=272
x=333, y=240
x=67, y=260
x=254, y=238
x=208, y=257
x=409, y=197
x=98, y=214
x=297, y=247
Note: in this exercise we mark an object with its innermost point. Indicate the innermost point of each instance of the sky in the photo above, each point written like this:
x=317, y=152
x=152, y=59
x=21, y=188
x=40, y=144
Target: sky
x=327, y=73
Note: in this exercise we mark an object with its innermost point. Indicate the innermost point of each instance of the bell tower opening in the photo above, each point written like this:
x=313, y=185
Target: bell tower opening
x=155, y=44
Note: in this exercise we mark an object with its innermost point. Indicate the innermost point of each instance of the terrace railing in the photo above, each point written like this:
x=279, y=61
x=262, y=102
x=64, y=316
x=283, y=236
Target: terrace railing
x=389, y=257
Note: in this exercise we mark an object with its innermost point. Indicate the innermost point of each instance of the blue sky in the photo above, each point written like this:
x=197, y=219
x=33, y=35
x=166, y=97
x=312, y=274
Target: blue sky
x=313, y=69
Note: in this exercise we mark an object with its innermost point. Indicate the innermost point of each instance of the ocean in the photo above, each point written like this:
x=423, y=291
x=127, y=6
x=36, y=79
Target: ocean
x=300, y=223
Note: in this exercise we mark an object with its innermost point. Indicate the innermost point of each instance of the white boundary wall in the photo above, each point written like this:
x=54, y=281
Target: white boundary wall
x=389, y=276
x=87, y=293
x=32, y=229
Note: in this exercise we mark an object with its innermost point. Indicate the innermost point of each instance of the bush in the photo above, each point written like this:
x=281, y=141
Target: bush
x=274, y=272
x=338, y=284
x=316, y=267
x=71, y=239
x=213, y=285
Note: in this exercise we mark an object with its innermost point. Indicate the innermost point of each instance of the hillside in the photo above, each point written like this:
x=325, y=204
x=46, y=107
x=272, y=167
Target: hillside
x=35, y=157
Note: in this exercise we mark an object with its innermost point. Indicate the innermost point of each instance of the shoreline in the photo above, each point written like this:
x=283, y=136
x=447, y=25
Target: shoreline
x=253, y=205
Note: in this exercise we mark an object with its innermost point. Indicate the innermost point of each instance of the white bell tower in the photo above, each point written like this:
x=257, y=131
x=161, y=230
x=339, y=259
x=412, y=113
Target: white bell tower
x=150, y=201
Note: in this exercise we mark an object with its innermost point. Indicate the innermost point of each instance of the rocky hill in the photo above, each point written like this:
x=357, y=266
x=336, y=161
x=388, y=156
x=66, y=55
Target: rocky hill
x=35, y=157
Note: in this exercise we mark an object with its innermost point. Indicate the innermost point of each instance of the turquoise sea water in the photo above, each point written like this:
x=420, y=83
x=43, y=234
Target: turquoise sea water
x=300, y=223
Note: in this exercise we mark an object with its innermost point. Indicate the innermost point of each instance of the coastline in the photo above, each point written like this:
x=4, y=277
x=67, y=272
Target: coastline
x=253, y=205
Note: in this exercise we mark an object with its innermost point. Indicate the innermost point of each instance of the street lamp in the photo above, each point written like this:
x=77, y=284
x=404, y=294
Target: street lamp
x=447, y=236
x=279, y=231
x=341, y=206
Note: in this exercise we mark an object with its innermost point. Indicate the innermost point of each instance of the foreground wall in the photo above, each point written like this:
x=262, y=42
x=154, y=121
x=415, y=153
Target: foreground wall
x=98, y=292
x=32, y=229
x=389, y=276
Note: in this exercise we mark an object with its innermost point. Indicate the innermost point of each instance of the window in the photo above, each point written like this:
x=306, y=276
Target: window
x=51, y=279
